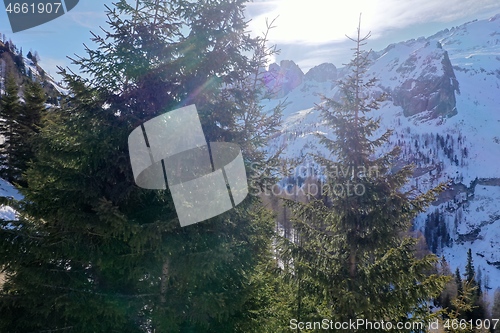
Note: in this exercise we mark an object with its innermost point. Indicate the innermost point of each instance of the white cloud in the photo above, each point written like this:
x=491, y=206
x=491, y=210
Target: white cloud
x=320, y=21
x=89, y=19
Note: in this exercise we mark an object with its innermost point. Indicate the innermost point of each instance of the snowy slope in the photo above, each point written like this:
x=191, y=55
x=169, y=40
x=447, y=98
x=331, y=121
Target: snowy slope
x=10, y=192
x=35, y=70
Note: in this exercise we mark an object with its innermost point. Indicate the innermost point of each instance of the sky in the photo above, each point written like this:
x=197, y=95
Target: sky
x=309, y=32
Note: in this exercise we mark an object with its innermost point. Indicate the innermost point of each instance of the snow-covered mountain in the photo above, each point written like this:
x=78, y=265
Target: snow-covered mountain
x=14, y=62
x=444, y=108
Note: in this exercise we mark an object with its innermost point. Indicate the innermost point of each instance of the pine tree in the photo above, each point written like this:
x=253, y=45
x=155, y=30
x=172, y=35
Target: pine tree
x=462, y=304
x=34, y=97
x=10, y=130
x=29, y=121
x=36, y=58
x=470, y=272
x=95, y=253
x=478, y=308
x=351, y=261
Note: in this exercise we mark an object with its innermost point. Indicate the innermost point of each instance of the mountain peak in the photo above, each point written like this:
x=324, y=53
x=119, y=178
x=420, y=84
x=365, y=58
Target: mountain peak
x=283, y=78
x=322, y=73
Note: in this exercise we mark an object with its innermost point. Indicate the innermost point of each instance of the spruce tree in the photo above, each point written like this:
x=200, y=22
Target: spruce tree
x=29, y=121
x=10, y=129
x=469, y=268
x=92, y=252
x=352, y=259
x=461, y=305
x=477, y=310
x=34, y=106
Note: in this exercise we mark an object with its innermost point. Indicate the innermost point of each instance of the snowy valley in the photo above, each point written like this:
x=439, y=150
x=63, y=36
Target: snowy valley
x=444, y=110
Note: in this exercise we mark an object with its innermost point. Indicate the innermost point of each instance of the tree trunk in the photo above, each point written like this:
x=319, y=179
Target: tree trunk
x=164, y=280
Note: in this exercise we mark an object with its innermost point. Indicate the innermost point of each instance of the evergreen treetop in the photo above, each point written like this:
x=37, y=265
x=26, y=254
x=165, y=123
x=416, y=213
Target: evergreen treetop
x=95, y=253
x=351, y=259
x=470, y=272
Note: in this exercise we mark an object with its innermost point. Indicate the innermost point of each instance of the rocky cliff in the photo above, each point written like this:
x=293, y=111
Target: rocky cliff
x=283, y=78
x=420, y=80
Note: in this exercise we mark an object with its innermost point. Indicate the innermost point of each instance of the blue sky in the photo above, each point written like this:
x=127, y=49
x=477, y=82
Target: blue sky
x=308, y=32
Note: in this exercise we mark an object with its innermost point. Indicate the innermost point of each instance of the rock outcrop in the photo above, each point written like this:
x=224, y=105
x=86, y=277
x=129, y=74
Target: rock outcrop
x=322, y=73
x=283, y=78
x=433, y=90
